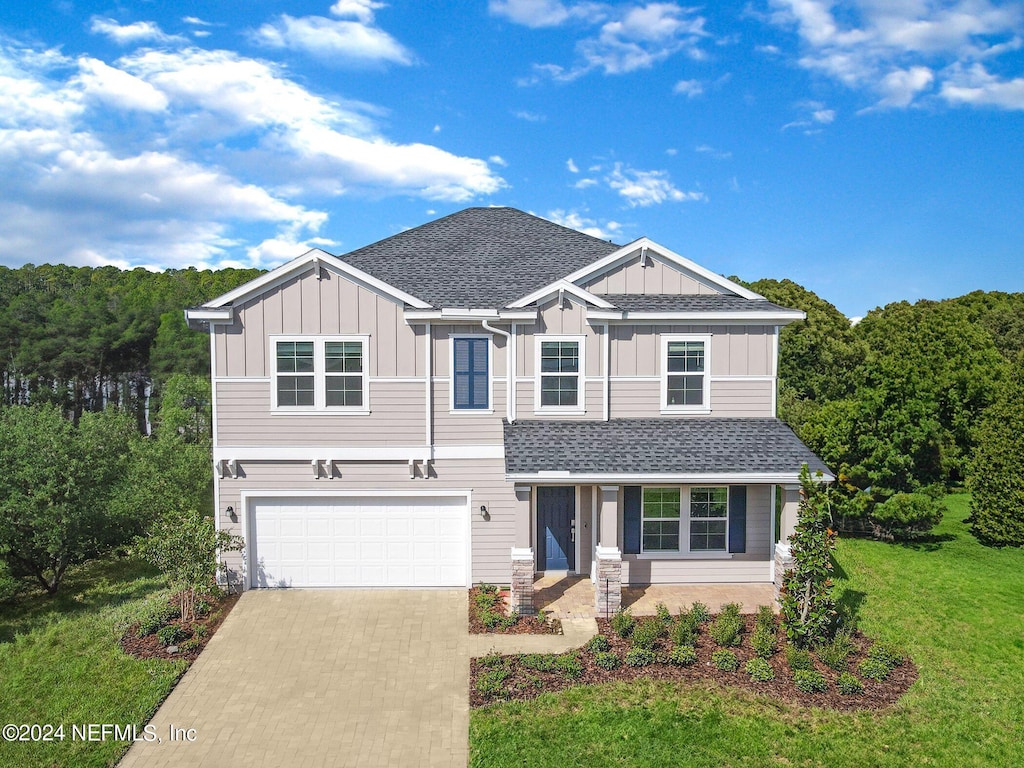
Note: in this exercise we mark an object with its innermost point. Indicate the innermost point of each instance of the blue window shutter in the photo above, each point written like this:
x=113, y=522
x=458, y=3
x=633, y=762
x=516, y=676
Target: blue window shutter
x=632, y=500
x=479, y=373
x=470, y=371
x=737, y=518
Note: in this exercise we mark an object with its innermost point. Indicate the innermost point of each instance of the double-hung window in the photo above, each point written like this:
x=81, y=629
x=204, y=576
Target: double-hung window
x=661, y=518
x=709, y=519
x=560, y=373
x=685, y=373
x=471, y=373
x=316, y=373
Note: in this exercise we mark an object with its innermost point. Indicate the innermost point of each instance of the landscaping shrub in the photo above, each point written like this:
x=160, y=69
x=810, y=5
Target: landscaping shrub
x=798, y=658
x=488, y=589
x=760, y=670
x=727, y=626
x=700, y=613
x=873, y=669
x=849, y=685
x=491, y=683
x=683, y=632
x=485, y=600
x=192, y=644
x=569, y=665
x=171, y=634
x=530, y=682
x=607, y=660
x=156, y=615
x=765, y=621
x=886, y=653
x=725, y=661
x=663, y=614
x=542, y=662
x=491, y=660
x=809, y=680
x=494, y=620
x=906, y=516
x=835, y=653
x=646, y=633
x=764, y=643
x=682, y=656
x=639, y=657
x=597, y=644
x=623, y=623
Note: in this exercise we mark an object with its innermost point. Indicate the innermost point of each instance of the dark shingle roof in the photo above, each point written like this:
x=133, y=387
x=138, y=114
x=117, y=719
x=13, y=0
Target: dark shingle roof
x=479, y=257
x=684, y=445
x=706, y=303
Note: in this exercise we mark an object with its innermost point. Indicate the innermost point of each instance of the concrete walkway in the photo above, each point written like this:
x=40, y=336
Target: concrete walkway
x=324, y=678
x=575, y=632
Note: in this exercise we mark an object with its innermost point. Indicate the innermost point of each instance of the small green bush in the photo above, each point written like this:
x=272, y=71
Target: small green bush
x=623, y=623
x=542, y=662
x=639, y=657
x=569, y=665
x=886, y=653
x=849, y=685
x=764, y=642
x=725, y=661
x=646, y=633
x=491, y=683
x=760, y=670
x=192, y=644
x=873, y=669
x=156, y=615
x=485, y=600
x=727, y=627
x=809, y=681
x=765, y=621
x=663, y=614
x=799, y=658
x=200, y=630
x=491, y=660
x=488, y=589
x=835, y=654
x=682, y=632
x=682, y=656
x=731, y=609
x=170, y=635
x=495, y=620
x=607, y=660
x=598, y=644
x=700, y=613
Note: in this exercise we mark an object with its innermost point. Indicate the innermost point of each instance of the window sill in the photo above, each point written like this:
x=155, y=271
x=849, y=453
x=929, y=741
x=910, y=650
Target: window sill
x=667, y=411
x=684, y=556
x=472, y=411
x=320, y=411
x=559, y=411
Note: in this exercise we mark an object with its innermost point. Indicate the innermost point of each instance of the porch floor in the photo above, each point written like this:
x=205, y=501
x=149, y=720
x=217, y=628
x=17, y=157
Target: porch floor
x=572, y=597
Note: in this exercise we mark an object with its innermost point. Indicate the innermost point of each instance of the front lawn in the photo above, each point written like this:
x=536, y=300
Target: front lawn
x=61, y=663
x=954, y=605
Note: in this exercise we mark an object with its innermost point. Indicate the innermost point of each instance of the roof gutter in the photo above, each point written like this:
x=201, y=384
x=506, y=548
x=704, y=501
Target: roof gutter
x=510, y=373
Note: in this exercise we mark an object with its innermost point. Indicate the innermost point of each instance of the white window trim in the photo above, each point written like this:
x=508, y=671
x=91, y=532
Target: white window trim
x=663, y=363
x=684, y=528
x=581, y=389
x=490, y=374
x=319, y=375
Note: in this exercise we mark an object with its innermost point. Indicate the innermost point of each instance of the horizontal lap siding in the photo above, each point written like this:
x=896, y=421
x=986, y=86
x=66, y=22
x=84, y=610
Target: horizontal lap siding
x=525, y=399
x=466, y=427
x=397, y=414
x=635, y=399
x=492, y=539
x=742, y=398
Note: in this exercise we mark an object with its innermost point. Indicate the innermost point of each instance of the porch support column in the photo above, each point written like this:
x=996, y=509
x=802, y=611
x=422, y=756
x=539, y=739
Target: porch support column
x=521, y=592
x=608, y=587
x=783, y=556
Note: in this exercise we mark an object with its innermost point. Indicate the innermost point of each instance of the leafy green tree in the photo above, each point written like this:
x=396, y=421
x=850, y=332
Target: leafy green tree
x=807, y=602
x=56, y=481
x=996, y=473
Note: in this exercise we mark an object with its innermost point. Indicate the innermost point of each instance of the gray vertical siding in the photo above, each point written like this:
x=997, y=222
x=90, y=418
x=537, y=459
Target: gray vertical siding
x=657, y=277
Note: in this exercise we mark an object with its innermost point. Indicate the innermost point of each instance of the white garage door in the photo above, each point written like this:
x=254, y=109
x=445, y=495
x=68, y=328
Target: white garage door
x=382, y=541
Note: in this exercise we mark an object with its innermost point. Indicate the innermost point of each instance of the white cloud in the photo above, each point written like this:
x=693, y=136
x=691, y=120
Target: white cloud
x=530, y=13
x=900, y=49
x=585, y=183
x=360, y=9
x=530, y=117
x=195, y=21
x=689, y=88
x=707, y=149
x=573, y=168
x=131, y=34
x=275, y=250
x=645, y=188
x=823, y=116
x=335, y=40
x=118, y=88
x=497, y=160
x=975, y=85
x=575, y=220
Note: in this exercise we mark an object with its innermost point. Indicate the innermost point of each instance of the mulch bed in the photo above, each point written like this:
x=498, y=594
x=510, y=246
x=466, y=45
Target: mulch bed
x=149, y=647
x=526, y=683
x=525, y=625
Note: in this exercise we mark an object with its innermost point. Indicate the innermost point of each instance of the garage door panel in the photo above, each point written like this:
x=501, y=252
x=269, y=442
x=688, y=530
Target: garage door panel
x=359, y=541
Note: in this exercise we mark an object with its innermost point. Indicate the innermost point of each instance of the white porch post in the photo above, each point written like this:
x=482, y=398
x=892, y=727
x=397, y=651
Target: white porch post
x=783, y=557
x=521, y=583
x=608, y=587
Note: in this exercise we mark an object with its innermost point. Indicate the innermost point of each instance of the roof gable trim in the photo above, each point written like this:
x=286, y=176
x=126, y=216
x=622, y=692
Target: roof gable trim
x=558, y=286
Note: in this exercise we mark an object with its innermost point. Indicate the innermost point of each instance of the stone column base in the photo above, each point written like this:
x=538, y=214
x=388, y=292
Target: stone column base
x=608, y=587
x=520, y=598
x=783, y=562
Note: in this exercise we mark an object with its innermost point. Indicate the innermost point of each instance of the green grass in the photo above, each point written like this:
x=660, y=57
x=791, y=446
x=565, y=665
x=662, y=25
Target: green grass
x=958, y=609
x=60, y=662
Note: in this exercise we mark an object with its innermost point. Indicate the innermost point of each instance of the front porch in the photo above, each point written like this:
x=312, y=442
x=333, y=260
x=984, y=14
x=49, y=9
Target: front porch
x=572, y=597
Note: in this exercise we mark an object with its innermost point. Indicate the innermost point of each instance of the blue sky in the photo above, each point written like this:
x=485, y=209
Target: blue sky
x=871, y=150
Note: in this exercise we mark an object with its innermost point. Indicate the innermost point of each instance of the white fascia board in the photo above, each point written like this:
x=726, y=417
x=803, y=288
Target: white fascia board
x=562, y=285
x=462, y=313
x=716, y=318
x=357, y=453
x=219, y=315
x=440, y=315
x=615, y=258
x=711, y=478
x=303, y=263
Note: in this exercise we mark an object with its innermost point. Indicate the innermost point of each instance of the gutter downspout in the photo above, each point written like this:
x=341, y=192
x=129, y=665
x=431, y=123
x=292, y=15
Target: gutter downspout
x=607, y=374
x=428, y=362
x=510, y=378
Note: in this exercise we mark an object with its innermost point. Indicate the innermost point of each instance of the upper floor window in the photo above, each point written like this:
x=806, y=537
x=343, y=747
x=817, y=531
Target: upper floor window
x=471, y=373
x=560, y=373
x=685, y=373
x=709, y=519
x=320, y=373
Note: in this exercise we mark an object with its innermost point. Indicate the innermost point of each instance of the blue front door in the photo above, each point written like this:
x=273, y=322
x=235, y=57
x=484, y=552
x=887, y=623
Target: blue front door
x=556, y=513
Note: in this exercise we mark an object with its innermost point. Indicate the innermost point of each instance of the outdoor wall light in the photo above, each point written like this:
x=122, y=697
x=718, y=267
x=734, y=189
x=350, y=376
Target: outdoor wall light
x=484, y=513
x=231, y=513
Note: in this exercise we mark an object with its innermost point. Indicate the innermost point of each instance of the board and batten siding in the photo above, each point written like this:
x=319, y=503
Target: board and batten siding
x=331, y=305
x=751, y=566
x=492, y=539
x=736, y=350
x=656, y=276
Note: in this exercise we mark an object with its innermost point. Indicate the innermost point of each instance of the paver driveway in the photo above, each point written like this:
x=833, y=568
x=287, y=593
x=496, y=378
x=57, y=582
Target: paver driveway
x=324, y=678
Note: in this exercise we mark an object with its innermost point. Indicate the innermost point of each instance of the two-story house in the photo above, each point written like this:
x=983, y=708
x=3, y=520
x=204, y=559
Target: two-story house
x=492, y=395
